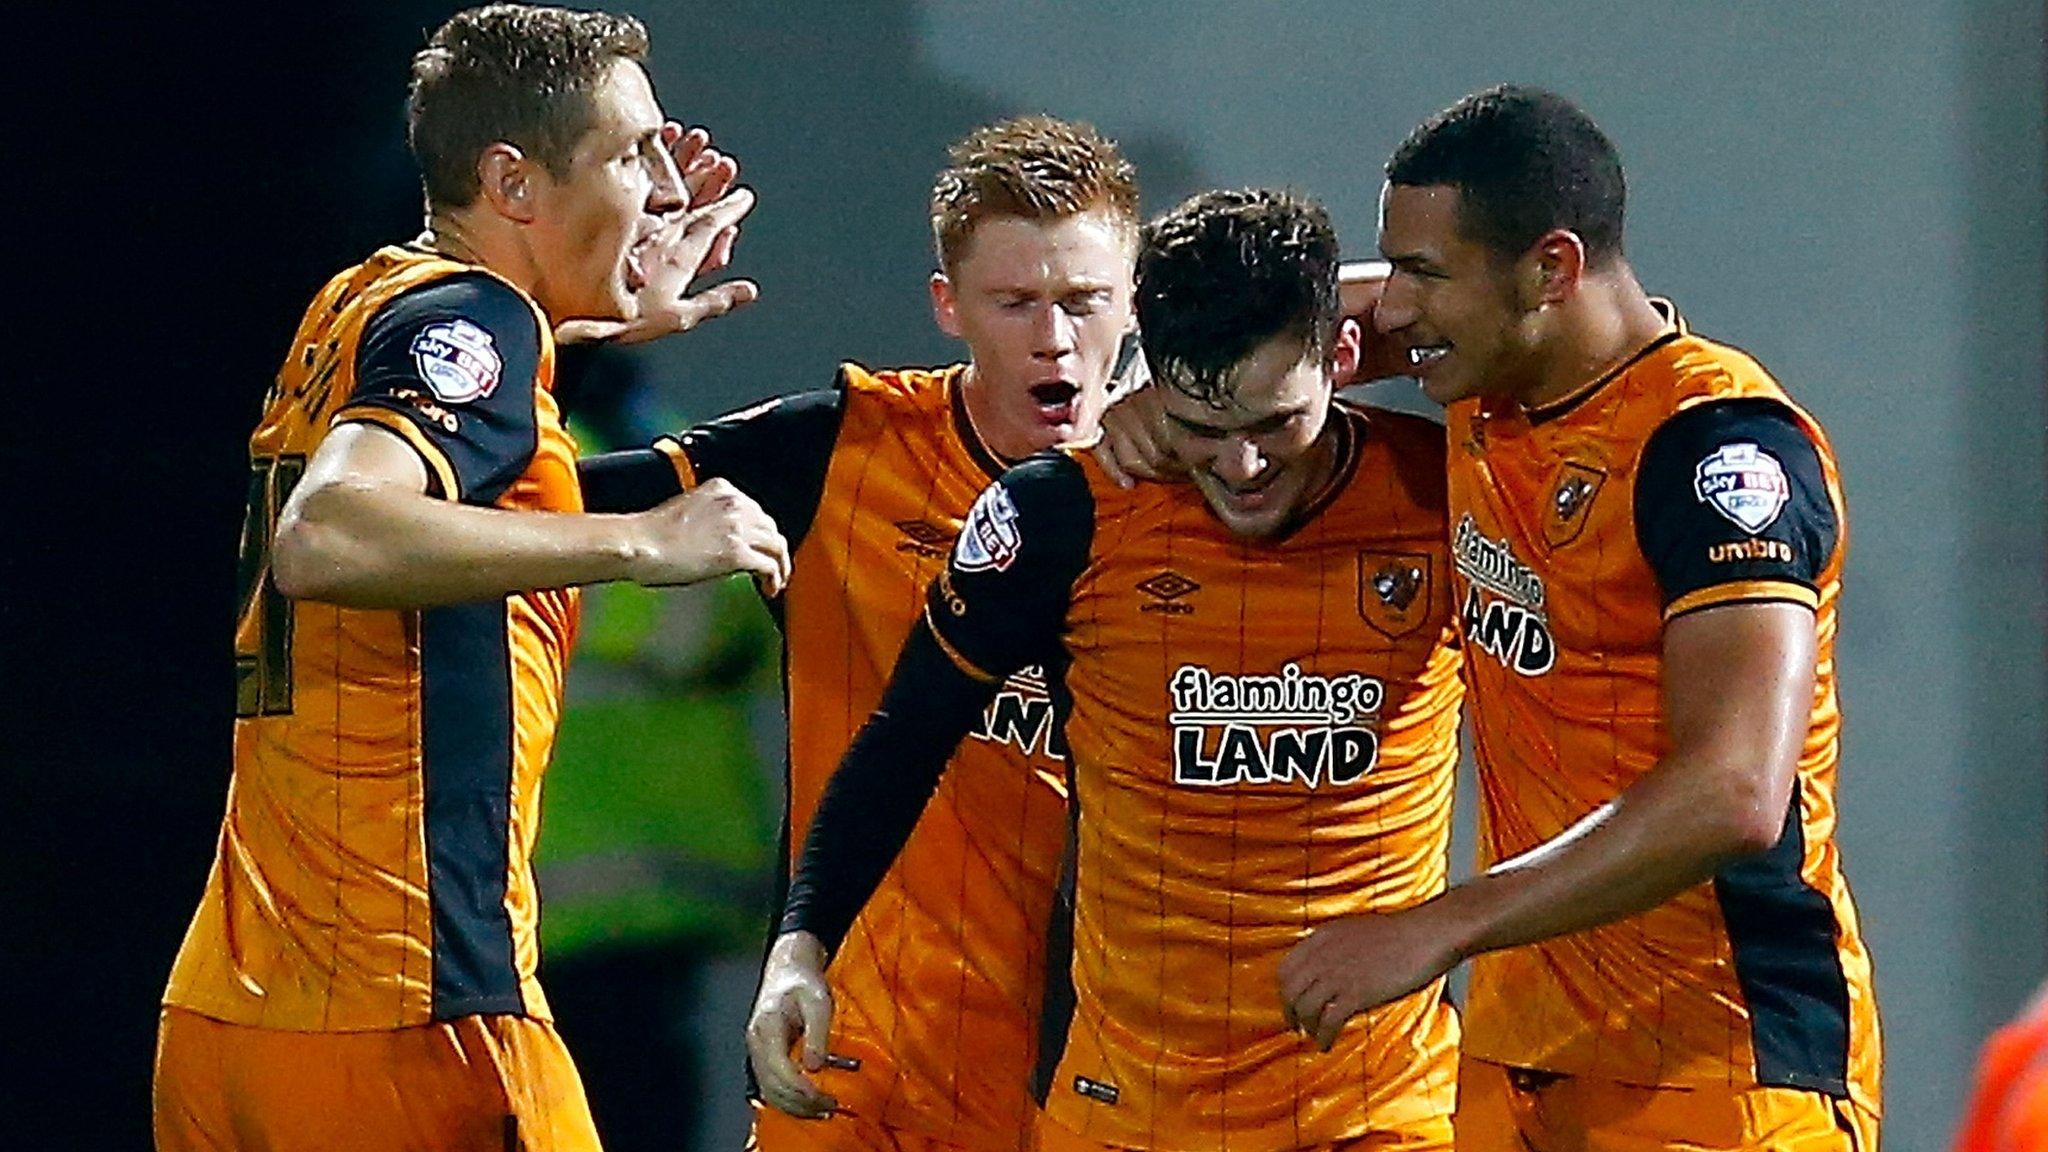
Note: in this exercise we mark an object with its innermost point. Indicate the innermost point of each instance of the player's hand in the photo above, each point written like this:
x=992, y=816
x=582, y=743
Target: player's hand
x=711, y=530
x=1360, y=284
x=1134, y=444
x=707, y=175
x=794, y=1004
x=689, y=244
x=1348, y=966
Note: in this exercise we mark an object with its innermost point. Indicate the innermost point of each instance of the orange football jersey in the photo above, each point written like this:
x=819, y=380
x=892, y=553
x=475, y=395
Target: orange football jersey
x=373, y=866
x=937, y=986
x=1570, y=556
x=1262, y=737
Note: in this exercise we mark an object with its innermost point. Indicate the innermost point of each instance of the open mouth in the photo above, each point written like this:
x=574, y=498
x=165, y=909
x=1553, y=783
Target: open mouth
x=635, y=266
x=1248, y=497
x=1055, y=400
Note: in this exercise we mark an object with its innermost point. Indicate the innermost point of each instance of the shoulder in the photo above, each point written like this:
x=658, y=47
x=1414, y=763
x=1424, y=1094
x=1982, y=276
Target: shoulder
x=905, y=387
x=461, y=332
x=1410, y=447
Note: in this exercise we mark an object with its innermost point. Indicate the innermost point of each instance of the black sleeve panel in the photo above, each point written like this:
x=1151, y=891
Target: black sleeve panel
x=874, y=799
x=998, y=608
x=633, y=480
x=777, y=451
x=456, y=358
x=1002, y=602
x=1731, y=504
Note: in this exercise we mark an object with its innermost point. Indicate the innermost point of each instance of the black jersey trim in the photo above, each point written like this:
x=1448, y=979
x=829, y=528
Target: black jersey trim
x=977, y=449
x=1788, y=962
x=1057, y=1002
x=466, y=729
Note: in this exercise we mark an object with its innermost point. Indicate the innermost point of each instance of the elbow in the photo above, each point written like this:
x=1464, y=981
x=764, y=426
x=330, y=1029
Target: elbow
x=311, y=555
x=1750, y=817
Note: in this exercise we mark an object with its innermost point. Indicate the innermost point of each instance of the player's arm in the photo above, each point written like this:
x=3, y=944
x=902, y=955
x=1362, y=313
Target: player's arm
x=777, y=451
x=1738, y=675
x=999, y=606
x=395, y=509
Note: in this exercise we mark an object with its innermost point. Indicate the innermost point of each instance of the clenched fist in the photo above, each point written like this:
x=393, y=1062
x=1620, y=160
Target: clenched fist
x=712, y=530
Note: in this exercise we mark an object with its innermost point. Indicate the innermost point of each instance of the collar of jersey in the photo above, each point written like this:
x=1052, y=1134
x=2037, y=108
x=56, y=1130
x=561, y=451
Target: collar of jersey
x=1674, y=328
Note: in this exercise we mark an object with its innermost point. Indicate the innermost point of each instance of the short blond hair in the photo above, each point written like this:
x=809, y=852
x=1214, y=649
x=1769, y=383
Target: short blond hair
x=1034, y=167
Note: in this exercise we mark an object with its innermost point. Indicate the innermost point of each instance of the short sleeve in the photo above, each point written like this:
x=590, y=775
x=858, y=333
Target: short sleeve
x=1732, y=505
x=451, y=367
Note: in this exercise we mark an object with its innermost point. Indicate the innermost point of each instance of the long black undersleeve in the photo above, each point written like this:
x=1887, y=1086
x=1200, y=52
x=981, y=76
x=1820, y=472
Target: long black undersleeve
x=882, y=786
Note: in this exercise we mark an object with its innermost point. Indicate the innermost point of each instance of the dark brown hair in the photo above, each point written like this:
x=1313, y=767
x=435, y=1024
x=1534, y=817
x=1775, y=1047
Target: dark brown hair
x=511, y=73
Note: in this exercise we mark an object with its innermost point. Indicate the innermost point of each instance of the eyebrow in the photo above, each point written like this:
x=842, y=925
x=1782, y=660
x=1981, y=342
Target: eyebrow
x=1264, y=424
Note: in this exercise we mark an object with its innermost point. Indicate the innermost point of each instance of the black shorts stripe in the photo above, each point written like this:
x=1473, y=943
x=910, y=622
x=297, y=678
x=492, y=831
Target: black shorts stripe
x=1784, y=937
x=466, y=762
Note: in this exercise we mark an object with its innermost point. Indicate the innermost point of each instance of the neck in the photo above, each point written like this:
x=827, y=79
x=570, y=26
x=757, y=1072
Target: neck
x=1607, y=321
x=1006, y=448
x=471, y=239
x=1325, y=455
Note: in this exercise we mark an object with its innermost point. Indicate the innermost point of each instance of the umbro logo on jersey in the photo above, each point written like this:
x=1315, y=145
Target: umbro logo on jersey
x=1166, y=590
x=924, y=538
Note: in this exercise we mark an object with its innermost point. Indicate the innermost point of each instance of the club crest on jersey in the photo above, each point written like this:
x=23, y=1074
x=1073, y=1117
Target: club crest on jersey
x=1570, y=501
x=1393, y=591
x=990, y=538
x=1294, y=727
x=1744, y=483
x=1503, y=614
x=458, y=360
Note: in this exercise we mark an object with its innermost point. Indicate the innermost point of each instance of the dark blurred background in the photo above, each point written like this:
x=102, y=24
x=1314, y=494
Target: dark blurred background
x=1855, y=193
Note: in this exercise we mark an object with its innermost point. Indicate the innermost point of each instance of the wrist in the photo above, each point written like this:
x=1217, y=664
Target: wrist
x=626, y=546
x=1462, y=919
x=800, y=947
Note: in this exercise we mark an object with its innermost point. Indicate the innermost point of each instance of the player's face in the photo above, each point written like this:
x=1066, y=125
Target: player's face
x=1450, y=299
x=587, y=224
x=1262, y=458
x=1043, y=306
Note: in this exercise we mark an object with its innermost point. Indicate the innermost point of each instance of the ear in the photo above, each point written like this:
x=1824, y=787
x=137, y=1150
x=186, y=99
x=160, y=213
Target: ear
x=1552, y=268
x=509, y=182
x=1345, y=353
x=945, y=305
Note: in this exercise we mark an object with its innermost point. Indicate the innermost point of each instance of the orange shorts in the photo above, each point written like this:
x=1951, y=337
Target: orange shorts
x=775, y=1131
x=1431, y=1135
x=1503, y=1109
x=477, y=1084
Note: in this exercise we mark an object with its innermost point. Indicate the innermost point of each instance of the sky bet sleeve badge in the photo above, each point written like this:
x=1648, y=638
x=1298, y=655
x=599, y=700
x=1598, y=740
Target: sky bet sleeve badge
x=1744, y=483
x=458, y=360
x=990, y=538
